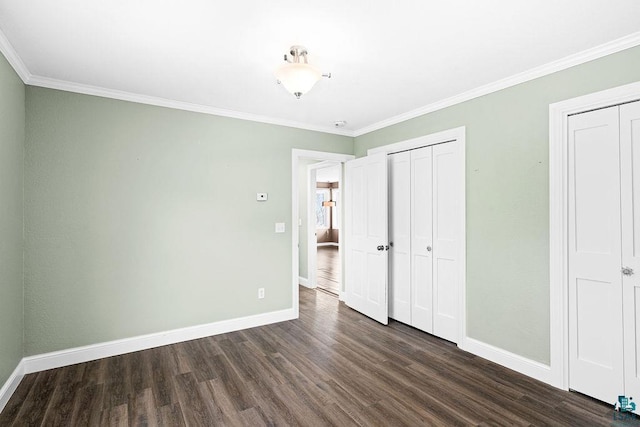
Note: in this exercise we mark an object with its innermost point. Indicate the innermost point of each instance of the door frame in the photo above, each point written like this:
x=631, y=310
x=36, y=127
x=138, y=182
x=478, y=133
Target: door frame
x=312, y=245
x=296, y=155
x=559, y=113
x=456, y=134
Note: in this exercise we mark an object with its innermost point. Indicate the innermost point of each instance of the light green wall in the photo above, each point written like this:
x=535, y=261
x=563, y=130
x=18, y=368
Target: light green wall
x=142, y=219
x=12, y=126
x=507, y=178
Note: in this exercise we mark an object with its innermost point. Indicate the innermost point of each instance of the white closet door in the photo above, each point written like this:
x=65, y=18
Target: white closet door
x=630, y=174
x=595, y=281
x=447, y=186
x=421, y=239
x=366, y=236
x=400, y=236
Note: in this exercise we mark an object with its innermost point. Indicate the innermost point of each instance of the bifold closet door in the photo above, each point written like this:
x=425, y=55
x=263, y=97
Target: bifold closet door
x=594, y=252
x=425, y=228
x=630, y=185
x=446, y=236
x=422, y=301
x=400, y=236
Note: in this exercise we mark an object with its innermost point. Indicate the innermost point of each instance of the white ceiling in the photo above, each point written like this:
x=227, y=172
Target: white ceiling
x=389, y=60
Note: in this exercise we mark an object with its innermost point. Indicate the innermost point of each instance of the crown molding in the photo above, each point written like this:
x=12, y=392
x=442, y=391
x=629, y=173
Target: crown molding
x=178, y=105
x=12, y=57
x=629, y=41
x=609, y=48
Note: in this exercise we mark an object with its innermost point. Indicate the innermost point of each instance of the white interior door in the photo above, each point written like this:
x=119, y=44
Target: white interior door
x=595, y=281
x=400, y=237
x=366, y=236
x=447, y=185
x=422, y=239
x=630, y=183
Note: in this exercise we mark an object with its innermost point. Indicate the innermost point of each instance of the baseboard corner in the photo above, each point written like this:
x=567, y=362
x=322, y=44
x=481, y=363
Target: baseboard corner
x=11, y=385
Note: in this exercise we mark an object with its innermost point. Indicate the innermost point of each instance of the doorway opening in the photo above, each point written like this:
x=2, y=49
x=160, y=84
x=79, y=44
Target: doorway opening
x=325, y=212
x=307, y=269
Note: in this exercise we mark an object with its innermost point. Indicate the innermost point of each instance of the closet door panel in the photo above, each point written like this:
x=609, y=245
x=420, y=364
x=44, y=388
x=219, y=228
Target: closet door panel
x=421, y=238
x=447, y=186
x=630, y=186
x=400, y=236
x=594, y=251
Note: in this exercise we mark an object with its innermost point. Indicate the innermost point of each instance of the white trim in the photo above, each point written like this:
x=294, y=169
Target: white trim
x=303, y=281
x=11, y=385
x=600, y=51
x=456, y=134
x=87, y=353
x=558, y=208
x=422, y=141
x=328, y=244
x=178, y=105
x=520, y=364
x=297, y=154
x=605, y=49
x=14, y=60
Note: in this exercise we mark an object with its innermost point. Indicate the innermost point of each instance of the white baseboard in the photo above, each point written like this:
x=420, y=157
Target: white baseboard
x=11, y=384
x=518, y=363
x=72, y=356
x=329, y=244
x=303, y=281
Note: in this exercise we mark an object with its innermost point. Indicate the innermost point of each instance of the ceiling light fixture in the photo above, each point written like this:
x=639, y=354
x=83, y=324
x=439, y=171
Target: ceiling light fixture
x=296, y=75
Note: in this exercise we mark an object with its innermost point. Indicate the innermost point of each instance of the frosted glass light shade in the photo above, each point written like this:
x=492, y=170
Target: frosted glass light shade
x=298, y=78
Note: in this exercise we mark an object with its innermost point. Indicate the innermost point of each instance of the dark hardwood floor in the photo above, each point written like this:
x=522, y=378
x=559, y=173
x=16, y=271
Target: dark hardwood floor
x=332, y=366
x=329, y=269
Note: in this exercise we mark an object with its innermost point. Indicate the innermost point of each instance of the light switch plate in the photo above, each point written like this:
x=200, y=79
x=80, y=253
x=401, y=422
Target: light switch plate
x=262, y=197
x=279, y=227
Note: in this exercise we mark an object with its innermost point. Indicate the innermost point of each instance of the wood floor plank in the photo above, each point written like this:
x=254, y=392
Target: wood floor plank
x=223, y=402
x=87, y=405
x=170, y=416
x=116, y=416
x=196, y=411
x=60, y=409
x=161, y=372
x=19, y=398
x=332, y=366
x=117, y=384
x=33, y=410
x=142, y=409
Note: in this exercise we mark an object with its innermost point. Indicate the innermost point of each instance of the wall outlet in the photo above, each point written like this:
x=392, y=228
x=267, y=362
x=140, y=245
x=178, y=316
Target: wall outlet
x=260, y=293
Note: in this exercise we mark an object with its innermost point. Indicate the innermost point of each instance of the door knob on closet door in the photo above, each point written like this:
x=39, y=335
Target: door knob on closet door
x=428, y=248
x=627, y=271
x=380, y=248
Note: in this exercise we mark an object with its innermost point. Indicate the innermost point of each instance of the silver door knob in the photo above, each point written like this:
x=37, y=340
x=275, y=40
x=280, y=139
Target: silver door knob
x=428, y=248
x=627, y=271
